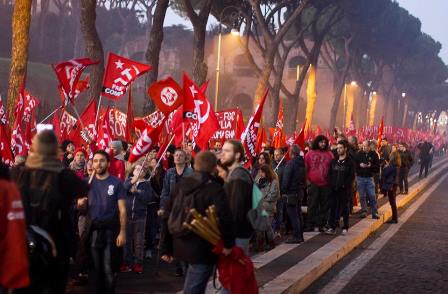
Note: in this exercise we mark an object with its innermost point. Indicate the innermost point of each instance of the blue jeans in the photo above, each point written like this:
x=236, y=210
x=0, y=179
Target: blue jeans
x=102, y=261
x=197, y=278
x=366, y=188
x=295, y=216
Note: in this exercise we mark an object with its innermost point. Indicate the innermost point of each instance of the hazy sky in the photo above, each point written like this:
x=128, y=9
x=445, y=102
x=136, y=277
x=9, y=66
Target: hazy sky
x=432, y=14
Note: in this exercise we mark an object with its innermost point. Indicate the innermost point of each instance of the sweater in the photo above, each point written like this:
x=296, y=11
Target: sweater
x=317, y=164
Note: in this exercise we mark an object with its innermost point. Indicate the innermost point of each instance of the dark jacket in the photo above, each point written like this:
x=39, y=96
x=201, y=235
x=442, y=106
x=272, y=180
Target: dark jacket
x=294, y=177
x=341, y=174
x=370, y=157
x=388, y=178
x=239, y=192
x=192, y=248
x=407, y=160
x=137, y=203
x=425, y=150
x=169, y=182
x=280, y=170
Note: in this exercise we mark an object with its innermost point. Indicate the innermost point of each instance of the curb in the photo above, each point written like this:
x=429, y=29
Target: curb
x=303, y=274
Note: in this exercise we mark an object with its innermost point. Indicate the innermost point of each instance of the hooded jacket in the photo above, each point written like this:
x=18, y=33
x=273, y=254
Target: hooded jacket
x=192, y=248
x=137, y=202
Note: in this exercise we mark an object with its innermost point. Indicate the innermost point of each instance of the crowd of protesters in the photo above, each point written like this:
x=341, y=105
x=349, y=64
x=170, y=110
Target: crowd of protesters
x=97, y=211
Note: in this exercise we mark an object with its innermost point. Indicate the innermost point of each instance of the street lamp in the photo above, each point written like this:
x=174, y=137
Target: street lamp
x=233, y=32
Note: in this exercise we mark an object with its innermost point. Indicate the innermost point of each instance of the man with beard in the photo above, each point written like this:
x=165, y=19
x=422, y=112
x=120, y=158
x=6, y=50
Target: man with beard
x=107, y=211
x=341, y=175
x=317, y=162
x=239, y=191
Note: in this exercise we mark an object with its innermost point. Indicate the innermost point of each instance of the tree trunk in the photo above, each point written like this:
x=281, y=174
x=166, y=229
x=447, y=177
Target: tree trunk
x=155, y=40
x=199, y=66
x=337, y=95
x=94, y=48
x=21, y=19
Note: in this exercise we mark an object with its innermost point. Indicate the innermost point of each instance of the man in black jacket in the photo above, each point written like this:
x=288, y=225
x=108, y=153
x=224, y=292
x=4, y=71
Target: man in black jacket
x=367, y=163
x=238, y=188
x=406, y=163
x=426, y=151
x=341, y=176
x=292, y=188
x=191, y=248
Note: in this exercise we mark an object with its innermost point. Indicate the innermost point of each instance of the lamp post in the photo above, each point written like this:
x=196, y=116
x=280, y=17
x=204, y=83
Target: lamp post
x=233, y=32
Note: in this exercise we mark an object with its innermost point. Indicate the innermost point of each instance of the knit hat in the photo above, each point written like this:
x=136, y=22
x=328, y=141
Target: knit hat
x=116, y=145
x=82, y=151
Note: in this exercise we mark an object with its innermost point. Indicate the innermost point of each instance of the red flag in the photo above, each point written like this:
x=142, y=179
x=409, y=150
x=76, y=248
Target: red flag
x=380, y=132
x=130, y=129
x=166, y=94
x=199, y=112
x=104, y=132
x=24, y=122
x=68, y=74
x=261, y=138
x=300, y=139
x=81, y=137
x=249, y=136
x=4, y=119
x=204, y=87
x=352, y=129
x=148, y=138
x=120, y=72
x=278, y=139
x=5, y=148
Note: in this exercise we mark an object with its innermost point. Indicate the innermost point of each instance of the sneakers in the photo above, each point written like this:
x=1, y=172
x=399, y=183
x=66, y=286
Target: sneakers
x=125, y=269
x=294, y=240
x=330, y=231
x=138, y=268
x=375, y=216
x=344, y=232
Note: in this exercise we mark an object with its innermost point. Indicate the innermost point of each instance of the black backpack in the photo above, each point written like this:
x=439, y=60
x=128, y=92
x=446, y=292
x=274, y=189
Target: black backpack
x=180, y=211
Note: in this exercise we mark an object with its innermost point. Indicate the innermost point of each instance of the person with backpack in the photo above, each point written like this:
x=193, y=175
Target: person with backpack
x=48, y=193
x=239, y=187
x=139, y=195
x=292, y=190
x=107, y=212
x=200, y=190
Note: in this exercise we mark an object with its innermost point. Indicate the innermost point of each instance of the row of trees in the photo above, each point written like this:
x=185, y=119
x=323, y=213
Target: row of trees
x=377, y=43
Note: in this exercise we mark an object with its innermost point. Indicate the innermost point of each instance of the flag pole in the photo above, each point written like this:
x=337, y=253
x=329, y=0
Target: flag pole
x=280, y=162
x=98, y=111
x=48, y=116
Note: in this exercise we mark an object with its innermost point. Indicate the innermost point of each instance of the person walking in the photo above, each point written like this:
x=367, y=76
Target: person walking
x=238, y=188
x=407, y=161
x=426, y=150
x=139, y=195
x=186, y=246
x=367, y=163
x=107, y=211
x=341, y=176
x=292, y=191
x=48, y=193
x=317, y=162
x=389, y=181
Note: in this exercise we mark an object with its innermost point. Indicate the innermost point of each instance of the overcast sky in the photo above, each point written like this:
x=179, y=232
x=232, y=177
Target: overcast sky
x=433, y=15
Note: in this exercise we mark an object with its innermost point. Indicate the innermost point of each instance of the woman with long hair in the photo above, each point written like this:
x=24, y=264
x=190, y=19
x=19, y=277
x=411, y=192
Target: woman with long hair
x=263, y=158
x=389, y=181
x=268, y=183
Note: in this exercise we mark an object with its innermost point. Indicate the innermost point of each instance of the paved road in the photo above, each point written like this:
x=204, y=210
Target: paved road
x=413, y=260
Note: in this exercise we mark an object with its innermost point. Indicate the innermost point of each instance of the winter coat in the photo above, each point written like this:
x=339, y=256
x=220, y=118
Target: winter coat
x=388, y=178
x=191, y=248
x=271, y=193
x=294, y=177
x=341, y=174
x=239, y=192
x=169, y=182
x=370, y=157
x=407, y=160
x=137, y=202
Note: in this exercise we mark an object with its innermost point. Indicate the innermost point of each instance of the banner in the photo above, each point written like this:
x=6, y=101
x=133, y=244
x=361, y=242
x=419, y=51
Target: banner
x=230, y=125
x=166, y=94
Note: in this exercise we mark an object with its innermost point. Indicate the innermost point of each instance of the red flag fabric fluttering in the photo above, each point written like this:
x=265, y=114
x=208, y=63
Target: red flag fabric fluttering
x=300, y=139
x=279, y=139
x=68, y=73
x=148, y=138
x=104, y=132
x=82, y=137
x=4, y=119
x=250, y=134
x=120, y=72
x=166, y=94
x=380, y=132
